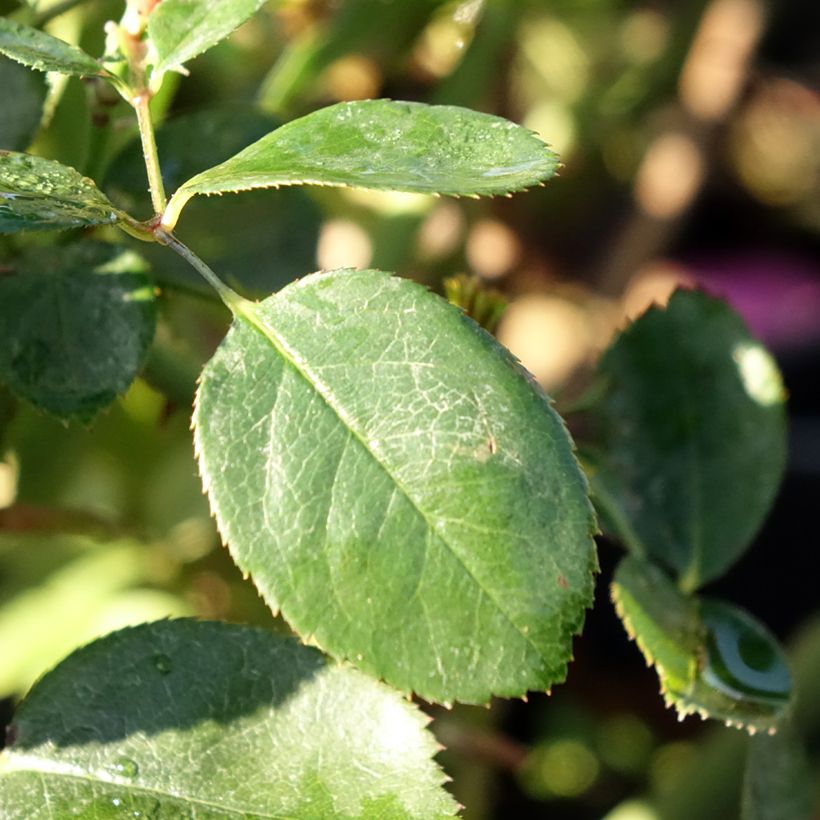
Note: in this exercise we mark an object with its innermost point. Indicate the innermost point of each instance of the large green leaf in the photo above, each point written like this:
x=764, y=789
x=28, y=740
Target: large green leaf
x=690, y=436
x=712, y=659
x=76, y=323
x=210, y=720
x=225, y=231
x=41, y=194
x=24, y=95
x=397, y=486
x=182, y=29
x=386, y=145
x=39, y=50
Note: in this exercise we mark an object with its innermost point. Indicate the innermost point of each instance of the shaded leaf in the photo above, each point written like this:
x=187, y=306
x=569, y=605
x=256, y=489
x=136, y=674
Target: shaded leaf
x=24, y=94
x=384, y=145
x=226, y=231
x=188, y=718
x=76, y=322
x=40, y=194
x=39, y=50
x=182, y=29
x=398, y=487
x=690, y=436
x=712, y=658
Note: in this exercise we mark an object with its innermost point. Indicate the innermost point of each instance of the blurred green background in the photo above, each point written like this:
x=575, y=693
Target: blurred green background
x=689, y=132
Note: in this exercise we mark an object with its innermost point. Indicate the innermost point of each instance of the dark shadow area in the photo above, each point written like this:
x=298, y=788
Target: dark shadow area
x=169, y=675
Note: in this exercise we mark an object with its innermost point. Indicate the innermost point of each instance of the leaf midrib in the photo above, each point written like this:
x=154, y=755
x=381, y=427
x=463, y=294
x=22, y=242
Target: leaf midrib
x=10, y=766
x=250, y=314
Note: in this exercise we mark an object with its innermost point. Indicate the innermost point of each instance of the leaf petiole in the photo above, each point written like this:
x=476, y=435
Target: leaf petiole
x=238, y=305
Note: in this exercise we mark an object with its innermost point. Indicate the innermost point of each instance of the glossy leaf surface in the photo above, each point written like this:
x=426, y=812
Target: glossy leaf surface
x=24, y=95
x=397, y=486
x=225, y=231
x=41, y=194
x=39, y=50
x=182, y=29
x=712, y=658
x=76, y=323
x=185, y=718
x=385, y=145
x=690, y=435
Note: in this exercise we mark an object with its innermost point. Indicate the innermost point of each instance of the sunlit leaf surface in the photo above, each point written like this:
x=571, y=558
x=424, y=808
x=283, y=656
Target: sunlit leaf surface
x=39, y=50
x=210, y=720
x=41, y=194
x=398, y=487
x=385, y=145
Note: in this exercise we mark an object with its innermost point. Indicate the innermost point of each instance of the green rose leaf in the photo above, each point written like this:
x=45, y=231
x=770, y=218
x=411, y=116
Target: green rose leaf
x=41, y=194
x=39, y=50
x=689, y=436
x=184, y=718
x=182, y=29
x=22, y=109
x=76, y=323
x=384, y=145
x=712, y=658
x=397, y=487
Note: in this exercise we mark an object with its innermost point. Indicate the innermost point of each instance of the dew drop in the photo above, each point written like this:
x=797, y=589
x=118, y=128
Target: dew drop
x=162, y=663
x=125, y=767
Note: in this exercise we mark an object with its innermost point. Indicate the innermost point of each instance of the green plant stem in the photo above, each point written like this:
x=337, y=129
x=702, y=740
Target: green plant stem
x=237, y=304
x=141, y=103
x=135, y=50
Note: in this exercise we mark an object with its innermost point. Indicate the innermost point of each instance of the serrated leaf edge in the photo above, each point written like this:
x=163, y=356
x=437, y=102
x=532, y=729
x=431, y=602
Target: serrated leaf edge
x=184, y=194
x=423, y=719
x=672, y=699
x=568, y=635
x=100, y=71
x=165, y=65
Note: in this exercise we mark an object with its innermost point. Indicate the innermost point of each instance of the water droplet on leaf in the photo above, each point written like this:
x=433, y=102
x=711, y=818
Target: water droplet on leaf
x=162, y=663
x=125, y=767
